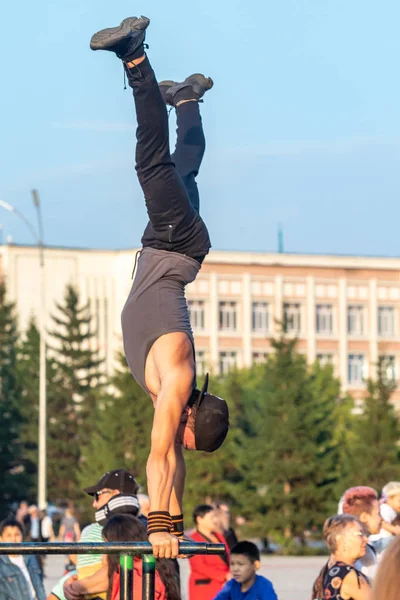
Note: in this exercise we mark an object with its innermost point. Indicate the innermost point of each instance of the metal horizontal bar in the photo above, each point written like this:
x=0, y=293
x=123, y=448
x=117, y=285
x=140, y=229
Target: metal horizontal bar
x=105, y=548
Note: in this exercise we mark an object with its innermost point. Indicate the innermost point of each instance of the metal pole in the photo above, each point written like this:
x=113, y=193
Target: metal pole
x=126, y=577
x=42, y=468
x=104, y=548
x=42, y=476
x=149, y=577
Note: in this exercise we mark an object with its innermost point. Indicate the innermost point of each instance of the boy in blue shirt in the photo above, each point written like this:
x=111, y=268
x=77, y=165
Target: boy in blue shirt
x=245, y=583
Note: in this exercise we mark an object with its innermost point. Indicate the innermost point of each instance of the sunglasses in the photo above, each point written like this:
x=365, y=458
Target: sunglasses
x=98, y=494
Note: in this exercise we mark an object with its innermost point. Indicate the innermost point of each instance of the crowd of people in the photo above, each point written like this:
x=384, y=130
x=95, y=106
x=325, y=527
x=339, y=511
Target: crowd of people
x=363, y=539
x=120, y=514
x=364, y=544
x=21, y=577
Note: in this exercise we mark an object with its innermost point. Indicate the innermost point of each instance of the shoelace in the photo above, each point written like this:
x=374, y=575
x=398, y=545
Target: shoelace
x=137, y=255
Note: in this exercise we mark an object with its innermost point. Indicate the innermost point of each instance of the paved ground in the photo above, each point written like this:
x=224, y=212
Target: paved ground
x=292, y=576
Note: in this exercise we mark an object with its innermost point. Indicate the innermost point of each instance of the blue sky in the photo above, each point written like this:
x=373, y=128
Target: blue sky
x=302, y=125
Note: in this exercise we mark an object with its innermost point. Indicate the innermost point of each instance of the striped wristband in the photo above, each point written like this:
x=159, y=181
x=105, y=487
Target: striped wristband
x=177, y=526
x=159, y=521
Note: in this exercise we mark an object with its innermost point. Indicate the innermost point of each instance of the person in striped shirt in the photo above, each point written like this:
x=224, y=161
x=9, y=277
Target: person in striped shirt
x=115, y=493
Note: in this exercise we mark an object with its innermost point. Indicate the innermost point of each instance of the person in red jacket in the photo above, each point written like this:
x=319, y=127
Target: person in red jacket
x=208, y=573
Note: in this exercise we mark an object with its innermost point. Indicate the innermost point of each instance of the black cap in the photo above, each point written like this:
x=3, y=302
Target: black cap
x=211, y=420
x=119, y=479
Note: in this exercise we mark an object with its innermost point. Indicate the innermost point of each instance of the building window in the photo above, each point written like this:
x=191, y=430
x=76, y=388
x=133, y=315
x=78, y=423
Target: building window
x=197, y=314
x=356, y=368
x=259, y=358
x=389, y=367
x=292, y=317
x=200, y=362
x=386, y=321
x=227, y=316
x=324, y=318
x=260, y=317
x=355, y=320
x=325, y=359
x=227, y=362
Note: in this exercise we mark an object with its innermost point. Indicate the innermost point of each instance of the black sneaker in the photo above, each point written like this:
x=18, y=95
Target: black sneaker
x=198, y=82
x=125, y=40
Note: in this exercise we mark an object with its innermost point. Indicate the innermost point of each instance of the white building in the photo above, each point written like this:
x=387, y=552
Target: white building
x=344, y=310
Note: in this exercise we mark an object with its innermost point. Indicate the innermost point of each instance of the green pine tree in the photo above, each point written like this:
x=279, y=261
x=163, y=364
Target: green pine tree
x=121, y=427
x=13, y=478
x=78, y=381
x=374, y=450
x=62, y=450
x=294, y=458
x=74, y=335
x=28, y=372
x=221, y=475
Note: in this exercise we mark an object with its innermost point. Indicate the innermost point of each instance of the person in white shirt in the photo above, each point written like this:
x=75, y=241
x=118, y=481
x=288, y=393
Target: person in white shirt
x=20, y=576
x=46, y=527
x=390, y=507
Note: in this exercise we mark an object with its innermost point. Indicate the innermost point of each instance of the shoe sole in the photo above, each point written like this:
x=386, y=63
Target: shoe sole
x=109, y=37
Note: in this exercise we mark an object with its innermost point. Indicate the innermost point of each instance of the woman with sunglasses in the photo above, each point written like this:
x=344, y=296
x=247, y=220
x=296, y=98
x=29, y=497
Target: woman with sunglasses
x=362, y=502
x=339, y=579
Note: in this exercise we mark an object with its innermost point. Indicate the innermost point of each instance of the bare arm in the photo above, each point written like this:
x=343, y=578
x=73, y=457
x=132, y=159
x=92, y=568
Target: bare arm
x=77, y=531
x=61, y=532
x=393, y=529
x=355, y=588
x=95, y=584
x=175, y=504
x=162, y=461
x=173, y=357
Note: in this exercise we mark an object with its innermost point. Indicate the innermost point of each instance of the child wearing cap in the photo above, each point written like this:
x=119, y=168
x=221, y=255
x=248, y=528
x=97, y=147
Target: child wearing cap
x=245, y=583
x=390, y=507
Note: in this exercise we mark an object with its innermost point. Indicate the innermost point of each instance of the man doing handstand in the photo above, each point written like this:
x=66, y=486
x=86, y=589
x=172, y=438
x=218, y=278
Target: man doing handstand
x=158, y=339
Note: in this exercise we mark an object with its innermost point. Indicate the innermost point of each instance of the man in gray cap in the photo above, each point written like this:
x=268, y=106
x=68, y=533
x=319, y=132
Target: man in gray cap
x=158, y=339
x=114, y=493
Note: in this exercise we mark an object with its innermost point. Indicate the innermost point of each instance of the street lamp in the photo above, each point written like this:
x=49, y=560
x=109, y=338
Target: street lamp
x=42, y=462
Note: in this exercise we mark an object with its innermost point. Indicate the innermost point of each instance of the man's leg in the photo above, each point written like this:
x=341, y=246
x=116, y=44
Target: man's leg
x=190, y=140
x=174, y=222
x=167, y=201
x=190, y=147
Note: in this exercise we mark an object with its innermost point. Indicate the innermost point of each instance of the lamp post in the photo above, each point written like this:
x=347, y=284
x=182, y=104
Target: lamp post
x=42, y=462
x=42, y=476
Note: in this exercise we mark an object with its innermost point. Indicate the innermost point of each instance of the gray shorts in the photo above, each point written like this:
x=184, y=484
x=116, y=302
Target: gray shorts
x=156, y=305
